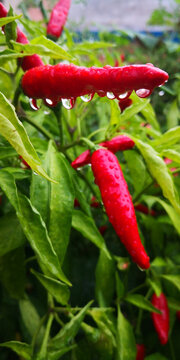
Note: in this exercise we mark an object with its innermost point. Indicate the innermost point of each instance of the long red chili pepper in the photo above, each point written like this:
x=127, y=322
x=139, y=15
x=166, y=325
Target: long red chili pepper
x=58, y=18
x=28, y=62
x=64, y=81
x=161, y=321
x=118, y=143
x=140, y=352
x=118, y=203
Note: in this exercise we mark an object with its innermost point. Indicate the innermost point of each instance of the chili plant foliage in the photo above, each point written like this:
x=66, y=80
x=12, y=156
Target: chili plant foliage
x=71, y=261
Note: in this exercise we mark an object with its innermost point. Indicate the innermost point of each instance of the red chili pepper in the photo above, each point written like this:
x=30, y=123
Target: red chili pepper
x=24, y=162
x=169, y=161
x=102, y=229
x=118, y=143
x=123, y=104
x=140, y=352
x=28, y=62
x=178, y=315
x=58, y=18
x=118, y=203
x=64, y=81
x=161, y=321
x=144, y=209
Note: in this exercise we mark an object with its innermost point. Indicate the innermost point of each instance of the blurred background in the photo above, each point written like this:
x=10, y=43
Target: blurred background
x=104, y=14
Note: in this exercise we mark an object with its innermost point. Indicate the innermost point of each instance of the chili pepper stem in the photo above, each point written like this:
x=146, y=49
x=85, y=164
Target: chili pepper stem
x=41, y=129
x=43, y=351
x=139, y=320
x=17, y=93
x=58, y=114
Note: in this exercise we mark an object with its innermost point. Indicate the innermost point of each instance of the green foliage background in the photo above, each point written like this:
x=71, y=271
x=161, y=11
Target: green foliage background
x=66, y=291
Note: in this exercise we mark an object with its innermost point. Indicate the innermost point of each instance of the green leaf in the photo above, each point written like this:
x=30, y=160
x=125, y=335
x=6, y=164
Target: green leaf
x=174, y=279
x=43, y=46
x=7, y=151
x=173, y=115
x=173, y=304
x=173, y=214
x=86, y=226
x=137, y=106
x=10, y=29
x=12, y=272
x=56, y=355
x=126, y=345
x=159, y=171
x=8, y=19
x=56, y=201
x=115, y=112
x=11, y=234
x=119, y=287
x=156, y=356
x=31, y=319
x=61, y=202
x=155, y=285
x=105, y=279
x=33, y=226
x=22, y=349
x=171, y=154
x=169, y=138
x=9, y=55
x=141, y=302
x=36, y=232
x=56, y=288
x=69, y=331
x=150, y=116
x=13, y=130
x=139, y=175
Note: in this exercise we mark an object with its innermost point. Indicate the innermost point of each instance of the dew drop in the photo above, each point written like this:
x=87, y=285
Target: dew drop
x=68, y=103
x=110, y=95
x=143, y=93
x=161, y=93
x=49, y=102
x=123, y=96
x=35, y=173
x=87, y=98
x=33, y=103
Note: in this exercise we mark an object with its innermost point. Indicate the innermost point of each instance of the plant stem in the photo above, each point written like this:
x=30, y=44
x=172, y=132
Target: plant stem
x=16, y=95
x=43, y=350
x=58, y=114
x=40, y=128
x=136, y=288
x=33, y=343
x=139, y=320
x=143, y=190
x=173, y=357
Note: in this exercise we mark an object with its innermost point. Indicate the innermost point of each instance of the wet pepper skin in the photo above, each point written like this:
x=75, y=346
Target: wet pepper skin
x=58, y=18
x=161, y=321
x=118, y=143
x=28, y=62
x=118, y=203
x=140, y=352
x=70, y=81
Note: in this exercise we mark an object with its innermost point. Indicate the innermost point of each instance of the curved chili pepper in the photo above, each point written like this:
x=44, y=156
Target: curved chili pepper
x=118, y=143
x=28, y=62
x=140, y=352
x=58, y=18
x=118, y=203
x=123, y=104
x=161, y=321
x=64, y=81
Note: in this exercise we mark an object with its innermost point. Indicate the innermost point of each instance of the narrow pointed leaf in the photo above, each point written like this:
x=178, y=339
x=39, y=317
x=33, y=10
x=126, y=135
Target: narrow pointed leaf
x=86, y=226
x=69, y=331
x=126, y=346
x=141, y=302
x=56, y=288
x=14, y=132
x=22, y=349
